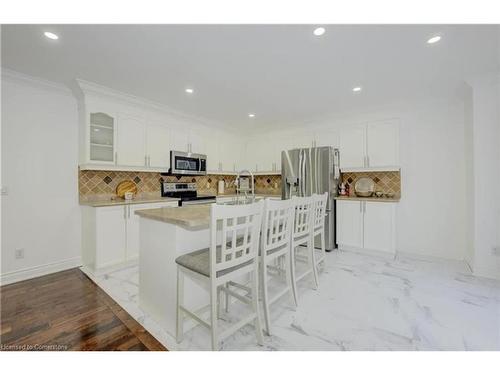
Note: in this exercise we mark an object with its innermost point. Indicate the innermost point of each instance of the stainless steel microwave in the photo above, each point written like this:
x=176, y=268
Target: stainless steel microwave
x=187, y=163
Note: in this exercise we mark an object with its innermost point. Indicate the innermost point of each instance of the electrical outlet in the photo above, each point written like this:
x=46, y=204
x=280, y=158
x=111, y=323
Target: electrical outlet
x=19, y=253
x=496, y=250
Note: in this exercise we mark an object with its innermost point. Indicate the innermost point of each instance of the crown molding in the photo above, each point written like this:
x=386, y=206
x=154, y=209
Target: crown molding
x=17, y=77
x=91, y=88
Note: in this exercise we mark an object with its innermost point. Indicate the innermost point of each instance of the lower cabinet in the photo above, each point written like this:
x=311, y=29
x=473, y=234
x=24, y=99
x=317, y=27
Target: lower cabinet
x=366, y=225
x=110, y=235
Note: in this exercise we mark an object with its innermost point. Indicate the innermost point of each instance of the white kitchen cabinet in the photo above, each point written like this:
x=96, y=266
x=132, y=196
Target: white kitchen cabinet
x=101, y=138
x=350, y=223
x=180, y=139
x=260, y=155
x=378, y=224
x=371, y=146
x=158, y=146
x=353, y=147
x=326, y=138
x=131, y=142
x=212, y=152
x=382, y=144
x=110, y=235
x=197, y=141
x=366, y=225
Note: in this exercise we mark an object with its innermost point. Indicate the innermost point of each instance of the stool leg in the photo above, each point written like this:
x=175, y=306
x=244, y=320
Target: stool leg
x=323, y=248
x=292, y=274
x=227, y=301
x=265, y=297
x=213, y=316
x=288, y=275
x=180, y=302
x=312, y=262
x=255, y=304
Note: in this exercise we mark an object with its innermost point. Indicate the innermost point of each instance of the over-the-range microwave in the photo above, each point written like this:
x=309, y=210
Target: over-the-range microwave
x=187, y=163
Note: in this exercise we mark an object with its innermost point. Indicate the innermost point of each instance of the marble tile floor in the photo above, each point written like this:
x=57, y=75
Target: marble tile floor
x=363, y=303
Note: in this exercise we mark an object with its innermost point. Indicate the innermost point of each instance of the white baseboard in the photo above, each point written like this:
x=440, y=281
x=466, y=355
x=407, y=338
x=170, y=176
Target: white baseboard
x=379, y=253
x=492, y=272
x=45, y=269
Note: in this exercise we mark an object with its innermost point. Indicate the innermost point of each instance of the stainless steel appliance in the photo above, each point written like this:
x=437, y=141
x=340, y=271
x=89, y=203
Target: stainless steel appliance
x=186, y=192
x=187, y=163
x=306, y=171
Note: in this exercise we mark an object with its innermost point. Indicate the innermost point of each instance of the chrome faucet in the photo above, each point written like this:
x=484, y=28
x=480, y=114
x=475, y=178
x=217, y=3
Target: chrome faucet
x=237, y=183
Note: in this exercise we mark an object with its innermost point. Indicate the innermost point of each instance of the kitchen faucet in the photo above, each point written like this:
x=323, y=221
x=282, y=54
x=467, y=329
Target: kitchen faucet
x=237, y=183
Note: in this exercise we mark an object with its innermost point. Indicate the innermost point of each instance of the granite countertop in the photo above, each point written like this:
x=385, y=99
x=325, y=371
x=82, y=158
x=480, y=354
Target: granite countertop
x=233, y=195
x=369, y=199
x=121, y=201
x=187, y=216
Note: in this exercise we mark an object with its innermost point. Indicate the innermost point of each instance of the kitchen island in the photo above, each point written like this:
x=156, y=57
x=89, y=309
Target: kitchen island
x=165, y=234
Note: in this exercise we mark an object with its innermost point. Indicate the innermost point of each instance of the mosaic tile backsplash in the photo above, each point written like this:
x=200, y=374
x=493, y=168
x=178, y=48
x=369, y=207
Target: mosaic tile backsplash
x=387, y=182
x=103, y=183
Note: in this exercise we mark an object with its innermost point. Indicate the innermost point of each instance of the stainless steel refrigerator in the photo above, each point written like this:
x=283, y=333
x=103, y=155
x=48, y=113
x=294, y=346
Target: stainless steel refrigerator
x=306, y=171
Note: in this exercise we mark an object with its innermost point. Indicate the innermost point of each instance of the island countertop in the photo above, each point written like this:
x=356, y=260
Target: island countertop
x=121, y=201
x=188, y=216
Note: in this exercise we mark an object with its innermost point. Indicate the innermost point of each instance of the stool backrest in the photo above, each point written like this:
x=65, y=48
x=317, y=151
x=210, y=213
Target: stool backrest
x=239, y=235
x=319, y=210
x=303, y=216
x=277, y=224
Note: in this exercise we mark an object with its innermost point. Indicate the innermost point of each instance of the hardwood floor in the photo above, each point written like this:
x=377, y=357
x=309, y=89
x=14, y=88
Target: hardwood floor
x=67, y=311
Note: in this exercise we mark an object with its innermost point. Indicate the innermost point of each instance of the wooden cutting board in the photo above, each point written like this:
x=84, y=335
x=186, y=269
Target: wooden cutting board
x=125, y=187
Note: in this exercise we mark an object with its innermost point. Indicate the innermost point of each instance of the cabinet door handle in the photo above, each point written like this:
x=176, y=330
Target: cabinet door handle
x=129, y=212
x=367, y=161
x=145, y=160
x=149, y=160
x=125, y=212
x=361, y=207
x=116, y=157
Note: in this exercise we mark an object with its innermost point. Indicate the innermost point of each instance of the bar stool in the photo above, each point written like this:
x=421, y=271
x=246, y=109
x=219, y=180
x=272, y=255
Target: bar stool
x=236, y=256
x=318, y=227
x=303, y=235
x=275, y=243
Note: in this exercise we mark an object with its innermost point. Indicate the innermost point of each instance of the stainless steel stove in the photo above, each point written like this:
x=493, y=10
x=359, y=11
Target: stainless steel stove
x=186, y=192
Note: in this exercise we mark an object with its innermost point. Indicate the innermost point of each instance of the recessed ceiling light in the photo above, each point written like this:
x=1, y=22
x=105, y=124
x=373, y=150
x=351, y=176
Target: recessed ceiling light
x=434, y=39
x=189, y=91
x=251, y=115
x=356, y=89
x=319, y=31
x=50, y=35
x=96, y=130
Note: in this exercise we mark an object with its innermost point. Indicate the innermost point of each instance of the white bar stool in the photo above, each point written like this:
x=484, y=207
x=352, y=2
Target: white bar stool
x=219, y=264
x=275, y=239
x=303, y=235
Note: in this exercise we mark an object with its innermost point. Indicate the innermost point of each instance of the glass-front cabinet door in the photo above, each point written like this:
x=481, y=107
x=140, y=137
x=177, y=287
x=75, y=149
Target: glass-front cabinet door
x=102, y=138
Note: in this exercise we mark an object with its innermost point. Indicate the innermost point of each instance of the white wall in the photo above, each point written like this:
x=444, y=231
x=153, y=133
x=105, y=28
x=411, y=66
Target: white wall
x=469, y=174
x=486, y=156
x=40, y=213
x=431, y=217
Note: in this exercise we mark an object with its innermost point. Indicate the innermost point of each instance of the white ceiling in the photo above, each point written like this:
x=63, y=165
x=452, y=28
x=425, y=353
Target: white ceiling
x=283, y=73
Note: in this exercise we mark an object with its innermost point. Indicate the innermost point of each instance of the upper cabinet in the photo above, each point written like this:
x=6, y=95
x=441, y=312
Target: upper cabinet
x=326, y=138
x=101, y=135
x=382, y=146
x=371, y=146
x=131, y=142
x=353, y=147
x=158, y=146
